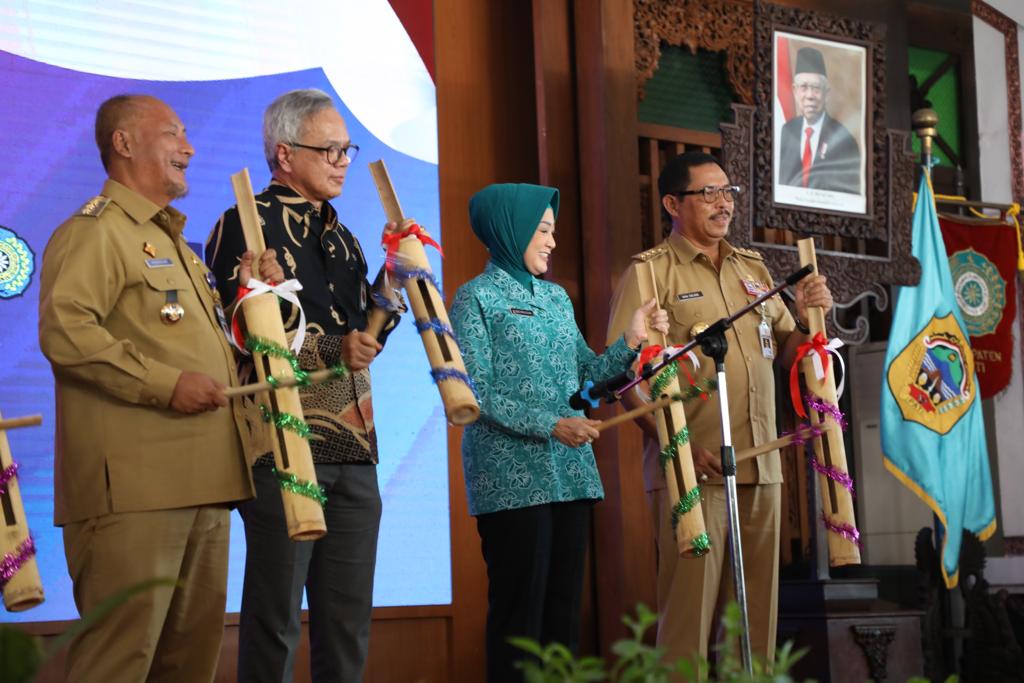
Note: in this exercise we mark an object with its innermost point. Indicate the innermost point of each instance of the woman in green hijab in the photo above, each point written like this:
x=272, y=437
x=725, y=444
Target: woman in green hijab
x=530, y=473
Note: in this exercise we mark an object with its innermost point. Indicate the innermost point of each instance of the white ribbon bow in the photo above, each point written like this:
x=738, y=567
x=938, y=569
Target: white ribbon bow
x=832, y=347
x=286, y=290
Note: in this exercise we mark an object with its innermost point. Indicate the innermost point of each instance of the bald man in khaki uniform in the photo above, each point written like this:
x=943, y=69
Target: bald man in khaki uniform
x=701, y=278
x=148, y=452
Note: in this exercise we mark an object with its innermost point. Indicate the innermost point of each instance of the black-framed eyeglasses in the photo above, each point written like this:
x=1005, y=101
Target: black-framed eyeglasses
x=333, y=152
x=711, y=193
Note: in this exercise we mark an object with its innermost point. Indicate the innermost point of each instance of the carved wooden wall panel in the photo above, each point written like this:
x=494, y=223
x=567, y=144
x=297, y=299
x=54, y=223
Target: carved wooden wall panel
x=713, y=25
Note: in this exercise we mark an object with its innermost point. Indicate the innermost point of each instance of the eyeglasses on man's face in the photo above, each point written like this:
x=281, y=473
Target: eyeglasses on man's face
x=712, y=193
x=333, y=152
x=814, y=88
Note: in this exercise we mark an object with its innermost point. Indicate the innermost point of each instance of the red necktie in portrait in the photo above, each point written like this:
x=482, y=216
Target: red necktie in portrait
x=806, y=159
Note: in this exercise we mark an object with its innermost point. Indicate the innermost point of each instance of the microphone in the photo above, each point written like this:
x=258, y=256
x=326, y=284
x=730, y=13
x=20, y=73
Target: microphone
x=590, y=394
x=799, y=275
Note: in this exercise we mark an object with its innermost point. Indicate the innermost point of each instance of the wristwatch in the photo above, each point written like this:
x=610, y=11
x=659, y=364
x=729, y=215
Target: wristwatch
x=800, y=325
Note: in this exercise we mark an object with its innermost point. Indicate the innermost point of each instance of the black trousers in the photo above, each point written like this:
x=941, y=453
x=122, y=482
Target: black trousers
x=535, y=559
x=336, y=572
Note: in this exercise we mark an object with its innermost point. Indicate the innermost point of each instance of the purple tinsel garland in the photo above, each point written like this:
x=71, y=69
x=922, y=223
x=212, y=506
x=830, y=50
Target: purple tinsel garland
x=823, y=406
x=805, y=433
x=833, y=473
x=7, y=474
x=12, y=562
x=847, y=531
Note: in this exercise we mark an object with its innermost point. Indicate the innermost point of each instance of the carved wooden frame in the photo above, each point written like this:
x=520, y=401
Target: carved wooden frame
x=769, y=214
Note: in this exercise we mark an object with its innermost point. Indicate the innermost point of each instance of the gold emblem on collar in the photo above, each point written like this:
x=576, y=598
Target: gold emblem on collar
x=94, y=207
x=149, y=249
x=650, y=254
x=749, y=253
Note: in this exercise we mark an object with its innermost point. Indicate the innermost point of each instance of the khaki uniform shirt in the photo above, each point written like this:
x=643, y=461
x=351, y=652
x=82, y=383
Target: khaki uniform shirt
x=107, y=272
x=693, y=291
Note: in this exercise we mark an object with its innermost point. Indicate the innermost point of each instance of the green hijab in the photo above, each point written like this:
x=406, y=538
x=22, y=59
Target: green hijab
x=505, y=217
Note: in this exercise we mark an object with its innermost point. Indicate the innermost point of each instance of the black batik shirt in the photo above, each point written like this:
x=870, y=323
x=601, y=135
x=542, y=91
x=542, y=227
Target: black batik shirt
x=323, y=255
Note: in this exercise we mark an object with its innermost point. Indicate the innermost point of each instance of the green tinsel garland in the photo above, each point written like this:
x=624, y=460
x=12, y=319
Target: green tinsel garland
x=701, y=545
x=290, y=482
x=685, y=504
x=256, y=344
x=285, y=421
x=670, y=372
x=669, y=451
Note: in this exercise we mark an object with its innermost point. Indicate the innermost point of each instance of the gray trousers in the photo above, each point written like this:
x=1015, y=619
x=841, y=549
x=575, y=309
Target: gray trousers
x=336, y=572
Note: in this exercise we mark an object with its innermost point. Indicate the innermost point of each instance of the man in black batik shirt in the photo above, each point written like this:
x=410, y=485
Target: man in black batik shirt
x=309, y=151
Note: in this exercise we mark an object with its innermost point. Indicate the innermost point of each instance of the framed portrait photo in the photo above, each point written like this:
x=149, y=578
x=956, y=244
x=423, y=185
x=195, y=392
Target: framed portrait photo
x=821, y=127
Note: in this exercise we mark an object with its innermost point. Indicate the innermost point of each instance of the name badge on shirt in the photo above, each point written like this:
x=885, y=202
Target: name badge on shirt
x=764, y=334
x=159, y=262
x=522, y=311
x=218, y=309
x=686, y=296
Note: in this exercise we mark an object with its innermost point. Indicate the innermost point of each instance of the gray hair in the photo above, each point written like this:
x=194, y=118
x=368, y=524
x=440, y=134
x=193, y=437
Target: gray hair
x=285, y=117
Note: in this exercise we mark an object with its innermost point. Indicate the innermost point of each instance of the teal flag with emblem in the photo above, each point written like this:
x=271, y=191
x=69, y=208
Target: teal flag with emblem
x=933, y=438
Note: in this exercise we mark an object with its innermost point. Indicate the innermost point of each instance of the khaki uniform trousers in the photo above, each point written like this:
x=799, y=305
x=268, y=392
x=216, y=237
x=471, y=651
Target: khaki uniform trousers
x=692, y=592
x=165, y=633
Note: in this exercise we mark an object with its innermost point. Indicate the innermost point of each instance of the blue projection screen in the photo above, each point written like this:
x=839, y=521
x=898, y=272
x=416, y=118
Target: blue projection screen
x=219, y=64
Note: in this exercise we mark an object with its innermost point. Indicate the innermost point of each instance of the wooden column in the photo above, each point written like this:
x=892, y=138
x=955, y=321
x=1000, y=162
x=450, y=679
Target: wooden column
x=623, y=548
x=486, y=134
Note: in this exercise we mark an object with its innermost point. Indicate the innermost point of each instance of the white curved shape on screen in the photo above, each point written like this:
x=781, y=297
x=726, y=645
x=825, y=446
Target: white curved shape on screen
x=360, y=44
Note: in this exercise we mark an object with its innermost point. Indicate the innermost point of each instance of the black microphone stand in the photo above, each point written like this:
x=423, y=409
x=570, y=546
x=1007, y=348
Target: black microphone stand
x=714, y=345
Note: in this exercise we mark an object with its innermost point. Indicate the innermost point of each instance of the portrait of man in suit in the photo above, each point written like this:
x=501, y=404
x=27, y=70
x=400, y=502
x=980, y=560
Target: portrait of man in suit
x=816, y=150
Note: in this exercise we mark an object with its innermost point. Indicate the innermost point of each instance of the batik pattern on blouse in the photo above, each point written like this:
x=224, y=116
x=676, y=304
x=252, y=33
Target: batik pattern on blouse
x=316, y=249
x=526, y=356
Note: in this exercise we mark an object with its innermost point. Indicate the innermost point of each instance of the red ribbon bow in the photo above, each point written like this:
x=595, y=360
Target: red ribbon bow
x=236, y=330
x=648, y=354
x=392, y=239
x=816, y=345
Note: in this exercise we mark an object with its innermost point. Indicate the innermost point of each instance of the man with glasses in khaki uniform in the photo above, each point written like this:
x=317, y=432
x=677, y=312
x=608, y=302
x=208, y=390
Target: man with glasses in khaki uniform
x=701, y=278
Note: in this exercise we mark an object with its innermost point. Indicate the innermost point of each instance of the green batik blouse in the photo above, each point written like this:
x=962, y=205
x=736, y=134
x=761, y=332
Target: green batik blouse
x=526, y=357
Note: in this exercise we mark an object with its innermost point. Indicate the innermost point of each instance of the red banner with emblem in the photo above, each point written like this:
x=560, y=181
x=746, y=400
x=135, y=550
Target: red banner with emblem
x=983, y=262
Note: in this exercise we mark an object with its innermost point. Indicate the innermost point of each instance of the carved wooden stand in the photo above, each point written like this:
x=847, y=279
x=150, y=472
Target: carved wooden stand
x=853, y=636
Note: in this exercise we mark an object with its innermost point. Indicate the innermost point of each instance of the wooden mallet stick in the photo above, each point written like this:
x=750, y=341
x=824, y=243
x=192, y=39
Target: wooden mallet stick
x=25, y=421
x=315, y=377
x=805, y=433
